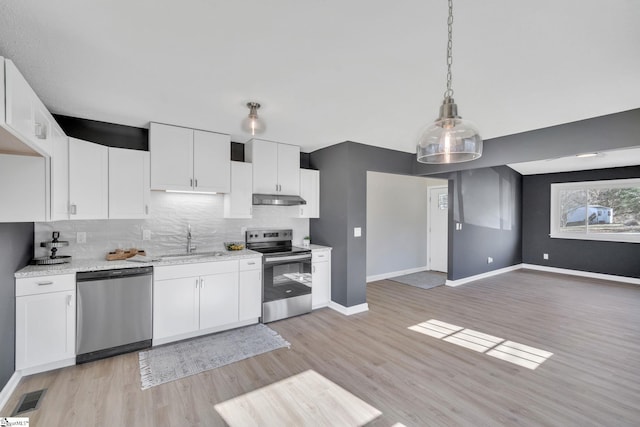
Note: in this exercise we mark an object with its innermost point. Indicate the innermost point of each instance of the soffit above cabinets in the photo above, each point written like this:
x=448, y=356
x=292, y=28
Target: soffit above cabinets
x=601, y=160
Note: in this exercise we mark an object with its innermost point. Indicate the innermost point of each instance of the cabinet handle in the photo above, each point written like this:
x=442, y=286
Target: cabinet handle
x=197, y=283
x=69, y=299
x=201, y=283
x=314, y=268
x=146, y=209
x=45, y=283
x=40, y=131
x=251, y=263
x=73, y=209
x=196, y=181
x=191, y=182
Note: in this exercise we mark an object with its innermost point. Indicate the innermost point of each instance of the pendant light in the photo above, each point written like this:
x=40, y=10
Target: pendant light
x=449, y=139
x=252, y=123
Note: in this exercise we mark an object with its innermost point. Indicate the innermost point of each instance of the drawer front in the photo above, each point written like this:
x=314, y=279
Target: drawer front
x=319, y=256
x=166, y=272
x=45, y=284
x=250, y=264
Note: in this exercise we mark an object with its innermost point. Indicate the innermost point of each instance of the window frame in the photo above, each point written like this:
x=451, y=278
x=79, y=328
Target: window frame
x=556, y=232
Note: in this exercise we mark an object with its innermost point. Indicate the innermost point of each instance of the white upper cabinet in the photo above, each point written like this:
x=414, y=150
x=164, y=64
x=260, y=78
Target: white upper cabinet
x=184, y=159
x=88, y=180
x=238, y=203
x=26, y=117
x=310, y=192
x=129, y=190
x=59, y=176
x=276, y=167
x=211, y=162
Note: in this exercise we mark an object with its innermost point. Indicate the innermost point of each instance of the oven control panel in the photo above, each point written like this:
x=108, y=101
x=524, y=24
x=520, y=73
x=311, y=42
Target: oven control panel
x=254, y=236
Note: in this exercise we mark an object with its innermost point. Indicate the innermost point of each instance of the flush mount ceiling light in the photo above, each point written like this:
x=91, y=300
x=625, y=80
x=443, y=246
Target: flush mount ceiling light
x=449, y=139
x=252, y=123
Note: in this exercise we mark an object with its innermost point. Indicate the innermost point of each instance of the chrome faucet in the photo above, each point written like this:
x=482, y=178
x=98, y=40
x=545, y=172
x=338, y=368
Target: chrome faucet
x=190, y=248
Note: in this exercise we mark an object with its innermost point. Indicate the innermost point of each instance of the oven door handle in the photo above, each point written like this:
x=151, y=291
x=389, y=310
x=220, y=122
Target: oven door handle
x=287, y=258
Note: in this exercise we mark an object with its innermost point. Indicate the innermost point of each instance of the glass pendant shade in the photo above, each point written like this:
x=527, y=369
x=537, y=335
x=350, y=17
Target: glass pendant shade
x=252, y=123
x=450, y=139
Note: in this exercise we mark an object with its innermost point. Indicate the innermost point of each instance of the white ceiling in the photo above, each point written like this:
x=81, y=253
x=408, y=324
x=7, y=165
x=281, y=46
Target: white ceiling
x=327, y=71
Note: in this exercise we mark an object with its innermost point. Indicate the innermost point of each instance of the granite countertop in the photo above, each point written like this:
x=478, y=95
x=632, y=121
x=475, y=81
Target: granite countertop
x=102, y=264
x=319, y=247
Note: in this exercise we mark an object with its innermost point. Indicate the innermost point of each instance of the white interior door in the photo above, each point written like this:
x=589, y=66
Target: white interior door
x=438, y=227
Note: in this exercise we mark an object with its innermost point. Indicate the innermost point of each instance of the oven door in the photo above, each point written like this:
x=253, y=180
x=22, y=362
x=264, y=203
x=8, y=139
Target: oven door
x=286, y=286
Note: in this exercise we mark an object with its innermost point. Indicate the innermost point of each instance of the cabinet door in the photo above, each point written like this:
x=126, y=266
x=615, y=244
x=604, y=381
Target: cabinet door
x=22, y=188
x=59, y=176
x=321, y=284
x=129, y=190
x=19, y=110
x=250, y=294
x=264, y=158
x=289, y=169
x=310, y=192
x=175, y=306
x=238, y=202
x=219, y=300
x=25, y=113
x=171, y=149
x=211, y=162
x=88, y=180
x=45, y=328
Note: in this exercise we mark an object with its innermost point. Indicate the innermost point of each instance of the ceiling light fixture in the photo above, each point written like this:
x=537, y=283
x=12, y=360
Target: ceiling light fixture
x=449, y=139
x=252, y=123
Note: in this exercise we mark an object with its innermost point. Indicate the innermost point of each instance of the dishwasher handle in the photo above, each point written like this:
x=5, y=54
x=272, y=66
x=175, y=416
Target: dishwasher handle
x=85, y=276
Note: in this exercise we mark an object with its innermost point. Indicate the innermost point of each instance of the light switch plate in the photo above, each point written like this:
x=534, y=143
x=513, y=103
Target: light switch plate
x=146, y=234
x=545, y=256
x=357, y=232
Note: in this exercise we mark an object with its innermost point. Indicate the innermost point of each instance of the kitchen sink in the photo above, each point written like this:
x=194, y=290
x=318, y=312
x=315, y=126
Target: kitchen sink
x=192, y=255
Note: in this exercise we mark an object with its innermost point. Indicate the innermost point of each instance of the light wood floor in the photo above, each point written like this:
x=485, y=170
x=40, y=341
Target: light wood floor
x=592, y=379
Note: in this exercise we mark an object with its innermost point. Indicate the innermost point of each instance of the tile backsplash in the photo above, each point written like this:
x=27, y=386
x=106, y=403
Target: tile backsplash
x=169, y=215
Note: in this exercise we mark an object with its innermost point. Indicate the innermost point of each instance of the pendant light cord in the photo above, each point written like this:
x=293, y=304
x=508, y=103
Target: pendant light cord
x=449, y=92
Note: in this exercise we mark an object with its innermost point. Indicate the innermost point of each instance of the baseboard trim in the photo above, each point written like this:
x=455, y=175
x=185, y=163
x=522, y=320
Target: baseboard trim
x=601, y=276
x=8, y=389
x=348, y=311
x=464, y=280
x=383, y=276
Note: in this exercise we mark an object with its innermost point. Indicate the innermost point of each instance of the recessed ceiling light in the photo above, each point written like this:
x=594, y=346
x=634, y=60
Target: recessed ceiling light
x=583, y=155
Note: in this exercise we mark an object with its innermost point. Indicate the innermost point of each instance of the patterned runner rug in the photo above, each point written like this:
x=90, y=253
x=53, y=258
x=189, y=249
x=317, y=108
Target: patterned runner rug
x=174, y=361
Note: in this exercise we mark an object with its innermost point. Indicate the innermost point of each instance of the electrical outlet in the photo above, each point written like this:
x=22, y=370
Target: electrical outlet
x=357, y=232
x=489, y=260
x=81, y=237
x=146, y=234
x=545, y=256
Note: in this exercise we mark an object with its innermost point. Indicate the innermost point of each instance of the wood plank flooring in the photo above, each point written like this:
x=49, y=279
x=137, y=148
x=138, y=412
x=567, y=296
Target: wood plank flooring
x=592, y=327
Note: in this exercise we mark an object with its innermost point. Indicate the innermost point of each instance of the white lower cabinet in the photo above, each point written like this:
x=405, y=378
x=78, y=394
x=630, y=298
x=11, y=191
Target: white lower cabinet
x=321, y=277
x=250, y=292
x=45, y=322
x=201, y=298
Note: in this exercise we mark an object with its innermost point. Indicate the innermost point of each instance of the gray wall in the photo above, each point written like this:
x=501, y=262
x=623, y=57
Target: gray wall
x=617, y=258
x=618, y=130
x=16, y=250
x=397, y=212
x=487, y=202
x=343, y=200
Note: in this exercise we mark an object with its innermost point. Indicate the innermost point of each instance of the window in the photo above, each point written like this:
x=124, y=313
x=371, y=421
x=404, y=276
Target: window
x=596, y=210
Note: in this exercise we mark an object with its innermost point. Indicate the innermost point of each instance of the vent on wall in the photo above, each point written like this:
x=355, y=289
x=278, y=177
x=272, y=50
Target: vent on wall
x=29, y=401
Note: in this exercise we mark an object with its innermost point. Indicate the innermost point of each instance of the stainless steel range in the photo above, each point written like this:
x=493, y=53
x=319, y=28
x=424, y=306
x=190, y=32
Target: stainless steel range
x=286, y=272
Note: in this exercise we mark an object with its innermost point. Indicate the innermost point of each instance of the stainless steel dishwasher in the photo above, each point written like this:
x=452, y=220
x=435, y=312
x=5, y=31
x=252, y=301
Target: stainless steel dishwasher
x=114, y=312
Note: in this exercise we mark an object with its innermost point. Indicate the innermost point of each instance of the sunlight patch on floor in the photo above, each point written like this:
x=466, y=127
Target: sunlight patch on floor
x=509, y=351
x=305, y=399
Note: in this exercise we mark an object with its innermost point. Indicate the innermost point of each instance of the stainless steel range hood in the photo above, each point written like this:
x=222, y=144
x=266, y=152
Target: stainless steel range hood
x=277, y=200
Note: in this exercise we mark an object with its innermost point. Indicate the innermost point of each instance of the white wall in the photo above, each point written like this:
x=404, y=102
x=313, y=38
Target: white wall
x=169, y=215
x=397, y=207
